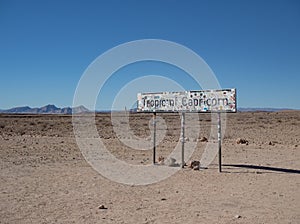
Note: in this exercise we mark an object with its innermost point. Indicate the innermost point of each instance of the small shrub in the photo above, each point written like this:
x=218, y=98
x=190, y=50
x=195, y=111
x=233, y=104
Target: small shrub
x=242, y=141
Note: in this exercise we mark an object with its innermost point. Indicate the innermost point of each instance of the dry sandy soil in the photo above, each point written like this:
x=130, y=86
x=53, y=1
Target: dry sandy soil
x=45, y=179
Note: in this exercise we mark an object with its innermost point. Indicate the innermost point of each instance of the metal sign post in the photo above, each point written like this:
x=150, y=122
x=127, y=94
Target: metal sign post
x=220, y=142
x=182, y=139
x=154, y=137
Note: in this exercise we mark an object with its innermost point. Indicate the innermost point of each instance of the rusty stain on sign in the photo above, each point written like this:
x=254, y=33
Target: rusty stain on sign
x=188, y=101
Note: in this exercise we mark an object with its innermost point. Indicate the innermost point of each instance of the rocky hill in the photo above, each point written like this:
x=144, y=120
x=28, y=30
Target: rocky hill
x=48, y=109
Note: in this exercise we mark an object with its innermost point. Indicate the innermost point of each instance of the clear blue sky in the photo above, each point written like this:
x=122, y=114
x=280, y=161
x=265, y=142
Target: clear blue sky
x=45, y=46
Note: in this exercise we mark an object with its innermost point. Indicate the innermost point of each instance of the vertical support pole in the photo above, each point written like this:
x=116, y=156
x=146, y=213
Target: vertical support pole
x=154, y=137
x=182, y=138
x=220, y=142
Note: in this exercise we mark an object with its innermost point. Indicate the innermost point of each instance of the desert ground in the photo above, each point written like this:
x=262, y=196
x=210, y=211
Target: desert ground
x=45, y=178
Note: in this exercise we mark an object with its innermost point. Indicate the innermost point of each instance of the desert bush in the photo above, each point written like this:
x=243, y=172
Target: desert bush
x=242, y=141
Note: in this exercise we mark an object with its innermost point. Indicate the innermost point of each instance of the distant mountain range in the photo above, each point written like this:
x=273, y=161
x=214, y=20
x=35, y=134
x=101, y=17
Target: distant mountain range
x=48, y=109
x=244, y=109
x=52, y=109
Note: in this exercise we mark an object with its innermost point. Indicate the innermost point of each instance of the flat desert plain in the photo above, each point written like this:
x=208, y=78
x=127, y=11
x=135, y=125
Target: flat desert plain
x=45, y=178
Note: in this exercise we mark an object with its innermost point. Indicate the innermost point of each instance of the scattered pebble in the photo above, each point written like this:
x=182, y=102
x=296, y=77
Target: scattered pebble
x=161, y=160
x=196, y=168
x=203, y=139
x=194, y=164
x=237, y=216
x=102, y=207
x=171, y=162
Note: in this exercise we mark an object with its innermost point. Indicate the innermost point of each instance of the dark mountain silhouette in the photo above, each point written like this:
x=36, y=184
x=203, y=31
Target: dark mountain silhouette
x=252, y=109
x=48, y=109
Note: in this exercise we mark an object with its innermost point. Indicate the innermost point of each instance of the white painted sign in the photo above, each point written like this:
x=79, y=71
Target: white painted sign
x=188, y=101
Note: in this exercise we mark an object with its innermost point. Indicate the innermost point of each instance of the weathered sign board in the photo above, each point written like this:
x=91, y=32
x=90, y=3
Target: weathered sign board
x=188, y=101
x=202, y=101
